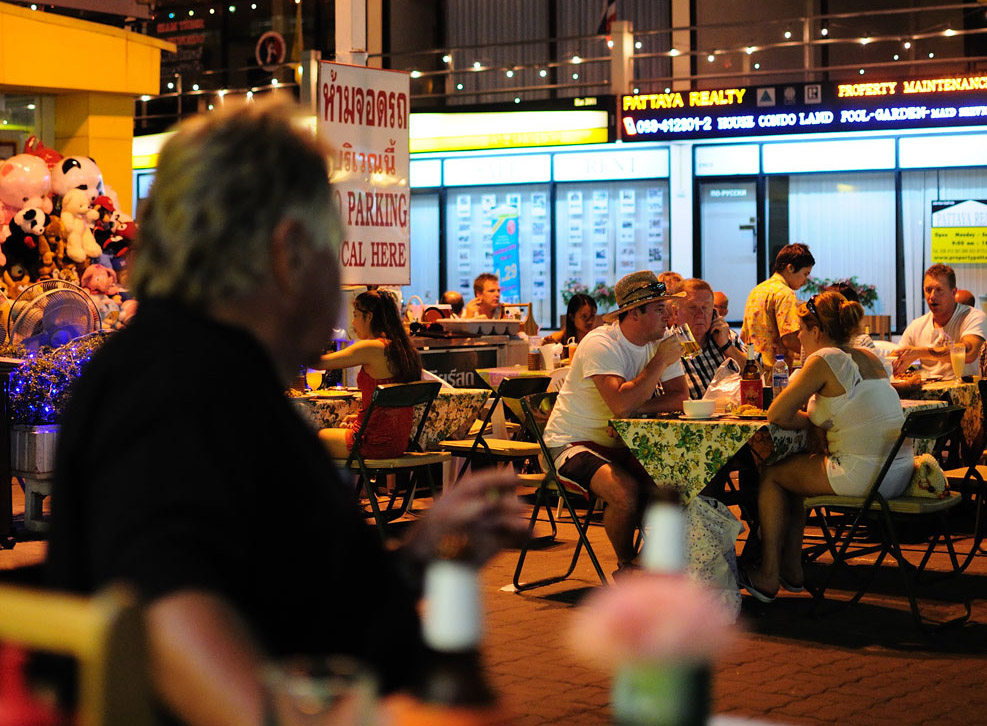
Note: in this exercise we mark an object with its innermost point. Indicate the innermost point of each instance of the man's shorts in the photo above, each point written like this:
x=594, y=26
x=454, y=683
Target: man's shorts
x=579, y=461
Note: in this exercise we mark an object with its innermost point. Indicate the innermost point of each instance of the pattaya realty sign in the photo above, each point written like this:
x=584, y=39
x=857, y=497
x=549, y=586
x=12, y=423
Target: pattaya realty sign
x=363, y=115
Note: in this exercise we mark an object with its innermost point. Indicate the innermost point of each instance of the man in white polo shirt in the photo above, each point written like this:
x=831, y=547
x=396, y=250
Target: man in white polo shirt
x=616, y=372
x=928, y=337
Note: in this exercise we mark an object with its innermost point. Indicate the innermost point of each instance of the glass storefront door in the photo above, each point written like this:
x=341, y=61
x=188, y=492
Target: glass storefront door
x=728, y=228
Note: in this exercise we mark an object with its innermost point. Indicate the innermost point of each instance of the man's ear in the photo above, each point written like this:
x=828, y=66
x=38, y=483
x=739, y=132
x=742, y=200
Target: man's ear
x=289, y=240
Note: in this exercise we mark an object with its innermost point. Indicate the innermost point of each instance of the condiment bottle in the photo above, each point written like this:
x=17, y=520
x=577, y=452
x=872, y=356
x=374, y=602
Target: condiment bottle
x=751, y=389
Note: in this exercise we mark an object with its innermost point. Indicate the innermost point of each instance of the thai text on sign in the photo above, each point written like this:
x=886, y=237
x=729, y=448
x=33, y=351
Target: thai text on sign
x=363, y=116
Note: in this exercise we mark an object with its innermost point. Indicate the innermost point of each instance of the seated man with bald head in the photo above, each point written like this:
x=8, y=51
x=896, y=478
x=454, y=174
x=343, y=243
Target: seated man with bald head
x=965, y=297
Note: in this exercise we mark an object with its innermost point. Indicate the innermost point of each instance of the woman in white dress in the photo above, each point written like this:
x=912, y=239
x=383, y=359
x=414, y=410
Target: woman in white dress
x=851, y=402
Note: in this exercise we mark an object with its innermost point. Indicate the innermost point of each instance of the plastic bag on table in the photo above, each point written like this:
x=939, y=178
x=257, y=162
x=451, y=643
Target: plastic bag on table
x=711, y=555
x=724, y=387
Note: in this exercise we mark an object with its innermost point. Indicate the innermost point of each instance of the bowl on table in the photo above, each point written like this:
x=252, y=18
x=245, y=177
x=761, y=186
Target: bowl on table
x=698, y=409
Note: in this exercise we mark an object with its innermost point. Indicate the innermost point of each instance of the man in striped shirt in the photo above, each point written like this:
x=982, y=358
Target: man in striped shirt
x=716, y=341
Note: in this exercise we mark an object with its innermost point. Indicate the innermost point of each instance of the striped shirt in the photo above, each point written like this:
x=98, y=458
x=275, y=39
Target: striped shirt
x=699, y=371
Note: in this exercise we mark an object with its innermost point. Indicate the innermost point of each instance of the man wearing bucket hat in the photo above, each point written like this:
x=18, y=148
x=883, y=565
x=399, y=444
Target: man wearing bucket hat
x=621, y=368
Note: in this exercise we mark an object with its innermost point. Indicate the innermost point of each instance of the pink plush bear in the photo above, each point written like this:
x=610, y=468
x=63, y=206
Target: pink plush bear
x=24, y=182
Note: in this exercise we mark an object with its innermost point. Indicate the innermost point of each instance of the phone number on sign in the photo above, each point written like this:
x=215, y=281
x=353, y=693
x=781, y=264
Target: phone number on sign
x=668, y=125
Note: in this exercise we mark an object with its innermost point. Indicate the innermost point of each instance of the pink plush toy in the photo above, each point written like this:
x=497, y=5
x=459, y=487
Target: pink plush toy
x=24, y=182
x=101, y=283
x=77, y=215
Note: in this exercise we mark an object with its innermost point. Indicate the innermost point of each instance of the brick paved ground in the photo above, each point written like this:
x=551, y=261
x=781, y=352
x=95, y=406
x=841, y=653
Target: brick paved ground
x=866, y=665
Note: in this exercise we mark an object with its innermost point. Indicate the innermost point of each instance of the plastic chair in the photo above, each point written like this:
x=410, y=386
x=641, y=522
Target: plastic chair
x=103, y=633
x=413, y=462
x=537, y=408
x=971, y=480
x=493, y=449
x=926, y=424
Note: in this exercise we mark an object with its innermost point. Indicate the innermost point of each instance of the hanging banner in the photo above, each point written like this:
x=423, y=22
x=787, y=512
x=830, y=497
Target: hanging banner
x=959, y=231
x=506, y=258
x=363, y=116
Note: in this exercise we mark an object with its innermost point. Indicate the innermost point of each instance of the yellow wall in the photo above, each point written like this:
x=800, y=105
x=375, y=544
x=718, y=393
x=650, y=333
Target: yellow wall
x=94, y=71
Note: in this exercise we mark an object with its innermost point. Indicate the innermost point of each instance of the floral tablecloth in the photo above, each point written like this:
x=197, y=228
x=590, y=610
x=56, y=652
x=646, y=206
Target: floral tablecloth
x=453, y=412
x=959, y=394
x=686, y=455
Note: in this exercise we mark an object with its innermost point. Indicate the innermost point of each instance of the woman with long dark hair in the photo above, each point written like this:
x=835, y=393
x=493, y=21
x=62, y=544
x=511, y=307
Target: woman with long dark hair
x=580, y=318
x=385, y=354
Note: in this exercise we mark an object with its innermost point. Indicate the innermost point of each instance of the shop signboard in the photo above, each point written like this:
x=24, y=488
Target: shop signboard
x=959, y=231
x=506, y=256
x=800, y=108
x=363, y=116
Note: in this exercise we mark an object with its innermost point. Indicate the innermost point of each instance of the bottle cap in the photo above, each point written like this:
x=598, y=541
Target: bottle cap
x=664, y=547
x=453, y=619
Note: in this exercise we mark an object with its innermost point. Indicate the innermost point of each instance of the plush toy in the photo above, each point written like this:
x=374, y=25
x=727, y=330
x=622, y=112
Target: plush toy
x=35, y=147
x=54, y=238
x=24, y=182
x=77, y=172
x=76, y=215
x=22, y=247
x=115, y=306
x=14, y=279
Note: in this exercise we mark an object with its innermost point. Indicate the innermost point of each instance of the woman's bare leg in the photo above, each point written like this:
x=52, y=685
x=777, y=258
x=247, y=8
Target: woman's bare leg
x=783, y=487
x=335, y=441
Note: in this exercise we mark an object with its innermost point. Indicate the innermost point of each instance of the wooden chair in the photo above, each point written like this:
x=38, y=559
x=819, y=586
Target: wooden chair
x=971, y=478
x=879, y=326
x=489, y=449
x=105, y=635
x=537, y=408
x=414, y=463
x=874, y=507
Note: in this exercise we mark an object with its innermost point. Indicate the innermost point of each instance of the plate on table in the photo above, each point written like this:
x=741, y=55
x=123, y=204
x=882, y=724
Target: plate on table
x=751, y=416
x=930, y=378
x=333, y=393
x=686, y=417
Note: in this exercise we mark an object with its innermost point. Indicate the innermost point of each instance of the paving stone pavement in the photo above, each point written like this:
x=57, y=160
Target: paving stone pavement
x=866, y=665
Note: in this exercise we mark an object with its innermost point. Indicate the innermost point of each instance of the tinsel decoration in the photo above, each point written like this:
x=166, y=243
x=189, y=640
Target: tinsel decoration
x=40, y=386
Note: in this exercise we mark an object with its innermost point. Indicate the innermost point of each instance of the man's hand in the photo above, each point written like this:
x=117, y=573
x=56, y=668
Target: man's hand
x=719, y=331
x=482, y=511
x=668, y=352
x=905, y=356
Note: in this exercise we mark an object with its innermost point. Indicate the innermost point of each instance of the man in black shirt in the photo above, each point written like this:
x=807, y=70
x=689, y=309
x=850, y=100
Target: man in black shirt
x=180, y=457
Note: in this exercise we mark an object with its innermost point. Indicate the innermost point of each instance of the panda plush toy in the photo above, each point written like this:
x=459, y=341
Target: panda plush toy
x=77, y=172
x=26, y=248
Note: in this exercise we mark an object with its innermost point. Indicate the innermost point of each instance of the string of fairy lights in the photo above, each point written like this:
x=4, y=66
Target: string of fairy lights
x=919, y=46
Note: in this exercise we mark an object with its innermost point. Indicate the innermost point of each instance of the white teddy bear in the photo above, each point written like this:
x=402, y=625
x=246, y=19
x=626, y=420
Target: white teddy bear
x=77, y=215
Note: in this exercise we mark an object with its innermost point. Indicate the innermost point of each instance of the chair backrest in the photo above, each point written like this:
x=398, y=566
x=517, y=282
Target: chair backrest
x=399, y=395
x=523, y=386
x=537, y=408
x=105, y=635
x=931, y=423
x=512, y=388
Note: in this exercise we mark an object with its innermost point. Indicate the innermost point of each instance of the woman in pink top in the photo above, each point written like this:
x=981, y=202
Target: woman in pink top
x=385, y=354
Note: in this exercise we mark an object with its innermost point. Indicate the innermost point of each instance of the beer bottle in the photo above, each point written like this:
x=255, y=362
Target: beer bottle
x=452, y=688
x=751, y=390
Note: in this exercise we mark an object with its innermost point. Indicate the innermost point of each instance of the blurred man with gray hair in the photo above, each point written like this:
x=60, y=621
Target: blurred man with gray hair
x=236, y=268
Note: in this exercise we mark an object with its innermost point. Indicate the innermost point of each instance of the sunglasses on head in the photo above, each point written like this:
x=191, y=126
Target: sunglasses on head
x=811, y=305
x=650, y=289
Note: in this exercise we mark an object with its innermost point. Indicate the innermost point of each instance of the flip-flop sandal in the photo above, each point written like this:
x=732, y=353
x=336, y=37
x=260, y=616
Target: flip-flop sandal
x=789, y=587
x=744, y=581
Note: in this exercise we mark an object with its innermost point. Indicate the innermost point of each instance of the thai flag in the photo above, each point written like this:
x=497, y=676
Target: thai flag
x=608, y=16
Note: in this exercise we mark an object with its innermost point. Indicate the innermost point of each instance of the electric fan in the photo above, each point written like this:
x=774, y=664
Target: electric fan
x=51, y=313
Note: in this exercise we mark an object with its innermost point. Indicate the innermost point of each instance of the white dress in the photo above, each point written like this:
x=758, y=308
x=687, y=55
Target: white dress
x=861, y=426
